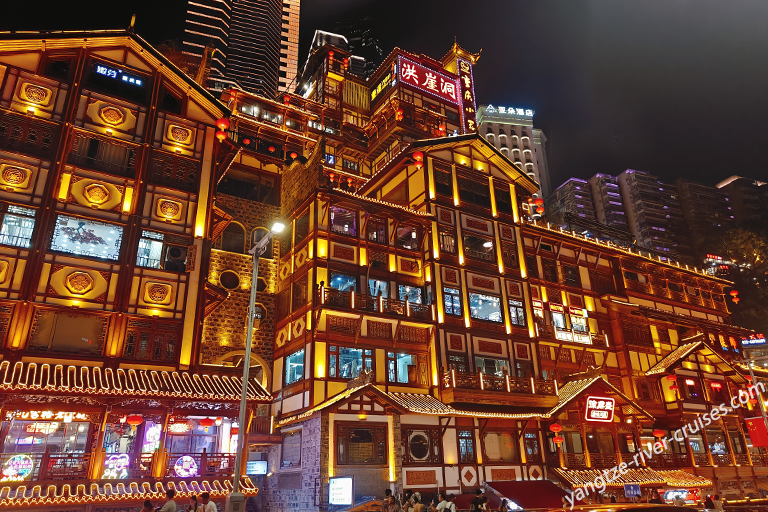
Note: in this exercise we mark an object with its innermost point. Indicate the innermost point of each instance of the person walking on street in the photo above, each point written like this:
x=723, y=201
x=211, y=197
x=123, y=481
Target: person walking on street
x=718, y=503
x=678, y=501
x=207, y=505
x=170, y=505
x=477, y=501
x=148, y=507
x=708, y=504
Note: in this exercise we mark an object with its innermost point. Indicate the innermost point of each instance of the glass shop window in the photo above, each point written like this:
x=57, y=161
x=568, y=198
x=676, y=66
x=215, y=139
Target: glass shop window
x=447, y=242
x=377, y=230
x=579, y=323
x=155, y=252
x=401, y=368
x=343, y=221
x=532, y=450
x=499, y=446
x=697, y=443
x=343, y=282
x=191, y=437
x=478, y=247
x=558, y=320
x=691, y=390
x=37, y=436
x=346, y=363
x=360, y=443
x=452, y=301
x=718, y=445
x=571, y=275
x=516, y=312
x=17, y=227
x=408, y=238
x=120, y=438
x=377, y=287
x=294, y=367
x=410, y=293
x=85, y=237
x=484, y=307
x=489, y=366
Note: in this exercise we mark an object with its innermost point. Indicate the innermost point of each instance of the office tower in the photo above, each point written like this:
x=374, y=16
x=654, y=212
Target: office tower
x=748, y=197
x=606, y=197
x=706, y=210
x=510, y=130
x=208, y=25
x=574, y=197
x=254, y=45
x=362, y=42
x=654, y=214
x=289, y=45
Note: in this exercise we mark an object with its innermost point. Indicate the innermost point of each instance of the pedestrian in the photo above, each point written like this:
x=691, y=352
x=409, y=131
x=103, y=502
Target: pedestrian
x=678, y=501
x=655, y=498
x=441, y=505
x=613, y=498
x=207, y=505
x=192, y=507
x=418, y=506
x=147, y=507
x=484, y=506
x=708, y=504
x=718, y=503
x=451, y=503
x=390, y=504
x=477, y=502
x=170, y=505
x=504, y=507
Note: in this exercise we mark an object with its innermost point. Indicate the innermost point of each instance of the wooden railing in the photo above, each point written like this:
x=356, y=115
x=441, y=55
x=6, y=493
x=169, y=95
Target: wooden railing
x=574, y=460
x=489, y=382
x=28, y=134
x=116, y=466
x=56, y=466
x=602, y=460
x=337, y=299
x=722, y=459
x=701, y=459
x=260, y=425
x=668, y=460
x=742, y=459
x=206, y=464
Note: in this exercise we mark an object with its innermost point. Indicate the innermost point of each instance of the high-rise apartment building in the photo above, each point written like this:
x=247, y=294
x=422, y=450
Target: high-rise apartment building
x=362, y=42
x=255, y=41
x=749, y=198
x=654, y=214
x=289, y=45
x=609, y=209
x=574, y=197
x=511, y=131
x=706, y=210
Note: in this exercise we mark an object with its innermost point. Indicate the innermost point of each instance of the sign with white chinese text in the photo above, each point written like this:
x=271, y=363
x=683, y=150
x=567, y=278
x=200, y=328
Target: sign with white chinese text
x=467, y=91
x=600, y=408
x=64, y=416
x=341, y=491
x=185, y=466
x=753, y=339
x=116, y=466
x=17, y=468
x=118, y=74
x=632, y=490
x=526, y=112
x=437, y=84
x=385, y=83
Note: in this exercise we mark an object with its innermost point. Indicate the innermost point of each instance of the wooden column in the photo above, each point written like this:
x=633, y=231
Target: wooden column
x=583, y=430
x=97, y=461
x=616, y=443
x=159, y=461
x=638, y=446
x=744, y=441
x=706, y=446
x=728, y=442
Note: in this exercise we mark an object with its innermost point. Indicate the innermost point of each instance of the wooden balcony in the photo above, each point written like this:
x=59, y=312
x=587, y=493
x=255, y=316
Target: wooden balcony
x=28, y=134
x=207, y=464
x=56, y=466
x=574, y=336
x=335, y=299
x=260, y=431
x=669, y=460
x=497, y=390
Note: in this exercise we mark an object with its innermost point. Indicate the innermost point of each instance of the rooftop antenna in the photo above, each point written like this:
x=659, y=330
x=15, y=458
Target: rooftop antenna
x=133, y=23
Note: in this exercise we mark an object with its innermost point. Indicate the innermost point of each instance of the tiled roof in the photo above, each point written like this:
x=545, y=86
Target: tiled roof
x=571, y=390
x=643, y=476
x=427, y=404
x=54, y=379
x=697, y=344
x=674, y=357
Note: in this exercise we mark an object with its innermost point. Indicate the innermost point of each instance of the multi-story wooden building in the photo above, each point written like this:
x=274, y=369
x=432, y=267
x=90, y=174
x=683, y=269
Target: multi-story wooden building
x=417, y=329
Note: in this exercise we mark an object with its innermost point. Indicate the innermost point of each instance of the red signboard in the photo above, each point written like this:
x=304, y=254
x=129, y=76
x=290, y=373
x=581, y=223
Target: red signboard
x=600, y=408
x=467, y=86
x=428, y=80
x=758, y=434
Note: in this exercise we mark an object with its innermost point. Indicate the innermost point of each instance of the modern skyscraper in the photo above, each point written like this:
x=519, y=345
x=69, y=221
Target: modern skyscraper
x=362, y=42
x=706, y=210
x=510, y=131
x=256, y=41
x=606, y=197
x=749, y=198
x=654, y=214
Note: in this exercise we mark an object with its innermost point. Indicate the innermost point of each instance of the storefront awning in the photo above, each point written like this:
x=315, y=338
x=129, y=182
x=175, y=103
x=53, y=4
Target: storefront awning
x=696, y=344
x=577, y=478
x=126, y=491
x=48, y=379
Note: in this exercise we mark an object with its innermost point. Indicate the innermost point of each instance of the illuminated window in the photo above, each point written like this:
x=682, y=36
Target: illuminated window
x=343, y=221
x=408, y=238
x=377, y=287
x=17, y=227
x=401, y=368
x=423, y=445
x=452, y=301
x=447, y=242
x=579, y=323
x=294, y=367
x=377, y=230
x=155, y=252
x=86, y=237
x=346, y=363
x=485, y=307
x=490, y=366
x=478, y=247
x=467, y=447
x=532, y=450
x=410, y=293
x=361, y=443
x=516, y=312
x=343, y=282
x=443, y=183
x=473, y=192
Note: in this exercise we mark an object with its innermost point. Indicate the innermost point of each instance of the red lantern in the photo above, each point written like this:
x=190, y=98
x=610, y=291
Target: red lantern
x=222, y=123
x=294, y=155
x=331, y=176
x=671, y=378
x=734, y=293
x=674, y=387
x=206, y=423
x=418, y=156
x=349, y=181
x=346, y=62
x=539, y=201
x=555, y=427
x=540, y=210
x=218, y=421
x=399, y=114
x=222, y=136
x=419, y=165
x=134, y=420
x=442, y=128
x=247, y=141
x=558, y=440
x=233, y=431
x=286, y=100
x=658, y=433
x=735, y=300
x=330, y=54
x=271, y=149
x=753, y=401
x=749, y=378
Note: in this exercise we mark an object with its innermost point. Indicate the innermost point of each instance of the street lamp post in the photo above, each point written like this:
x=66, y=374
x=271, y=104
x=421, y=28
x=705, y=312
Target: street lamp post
x=236, y=500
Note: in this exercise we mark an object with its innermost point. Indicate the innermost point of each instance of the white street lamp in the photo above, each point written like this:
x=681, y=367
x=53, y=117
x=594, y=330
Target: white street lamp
x=235, y=501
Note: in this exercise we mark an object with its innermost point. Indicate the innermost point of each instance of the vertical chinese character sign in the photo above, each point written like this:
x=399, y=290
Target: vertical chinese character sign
x=468, y=105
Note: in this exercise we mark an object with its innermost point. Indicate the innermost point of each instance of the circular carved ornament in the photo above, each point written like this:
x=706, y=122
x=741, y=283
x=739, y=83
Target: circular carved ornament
x=79, y=282
x=229, y=280
x=112, y=115
x=180, y=134
x=97, y=194
x=36, y=94
x=157, y=292
x=169, y=209
x=14, y=175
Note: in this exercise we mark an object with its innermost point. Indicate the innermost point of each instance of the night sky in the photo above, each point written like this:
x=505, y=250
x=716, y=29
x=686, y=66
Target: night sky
x=677, y=88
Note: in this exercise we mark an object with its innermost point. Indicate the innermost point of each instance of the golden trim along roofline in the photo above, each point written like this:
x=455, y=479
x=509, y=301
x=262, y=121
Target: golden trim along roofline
x=682, y=352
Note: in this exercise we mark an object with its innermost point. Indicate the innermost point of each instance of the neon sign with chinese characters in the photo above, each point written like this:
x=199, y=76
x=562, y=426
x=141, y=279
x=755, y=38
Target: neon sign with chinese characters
x=388, y=81
x=427, y=80
x=185, y=466
x=753, y=339
x=17, y=468
x=525, y=112
x=48, y=427
x=467, y=91
x=116, y=467
x=64, y=416
x=118, y=74
x=600, y=408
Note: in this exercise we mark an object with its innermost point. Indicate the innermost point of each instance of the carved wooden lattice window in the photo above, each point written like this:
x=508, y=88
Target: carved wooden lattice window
x=601, y=283
x=151, y=341
x=27, y=135
x=545, y=352
x=637, y=334
x=174, y=171
x=380, y=330
x=509, y=254
x=361, y=443
x=422, y=446
x=342, y=325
